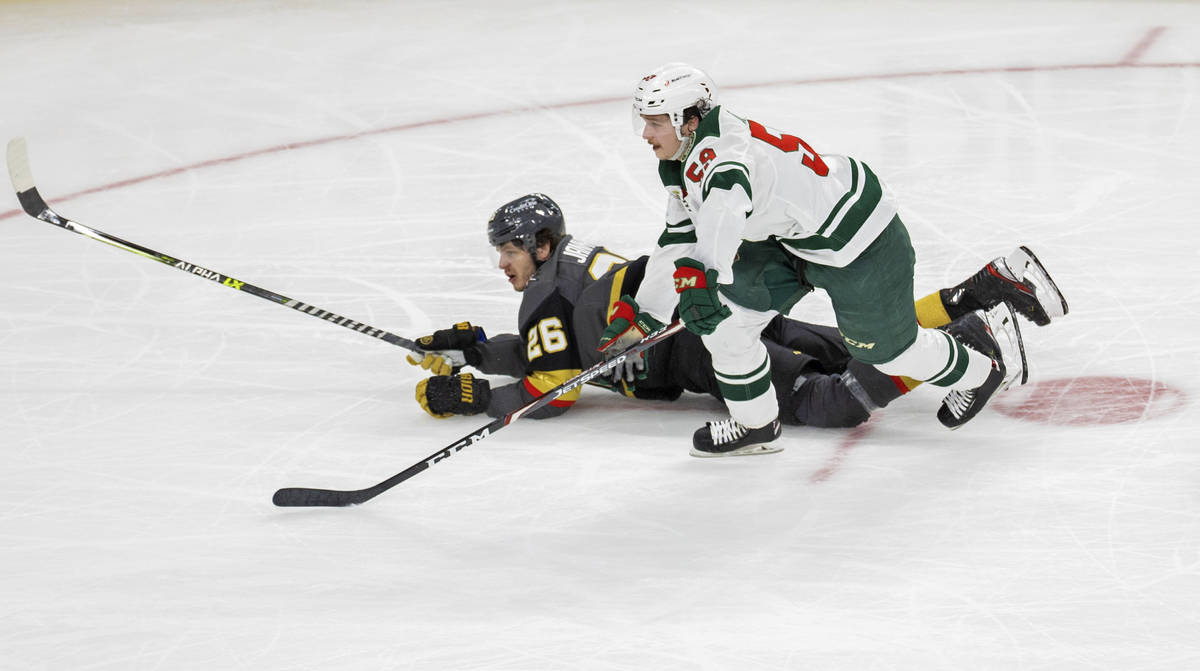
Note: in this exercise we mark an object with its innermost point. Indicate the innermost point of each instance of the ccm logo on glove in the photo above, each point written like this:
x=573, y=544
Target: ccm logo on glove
x=699, y=306
x=687, y=277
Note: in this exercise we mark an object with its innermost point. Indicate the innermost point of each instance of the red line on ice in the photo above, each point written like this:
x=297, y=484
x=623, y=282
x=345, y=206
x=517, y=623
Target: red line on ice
x=1135, y=54
x=290, y=146
x=848, y=443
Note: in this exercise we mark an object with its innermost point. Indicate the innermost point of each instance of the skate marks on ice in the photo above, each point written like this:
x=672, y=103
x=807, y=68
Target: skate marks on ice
x=1091, y=401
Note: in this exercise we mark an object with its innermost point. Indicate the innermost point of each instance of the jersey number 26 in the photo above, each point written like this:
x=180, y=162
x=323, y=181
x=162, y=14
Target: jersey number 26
x=547, y=337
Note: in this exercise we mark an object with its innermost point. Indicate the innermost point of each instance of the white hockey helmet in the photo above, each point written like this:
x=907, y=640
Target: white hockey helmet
x=671, y=89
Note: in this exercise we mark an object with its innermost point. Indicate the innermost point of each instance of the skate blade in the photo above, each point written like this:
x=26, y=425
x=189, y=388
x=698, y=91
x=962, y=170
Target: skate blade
x=746, y=451
x=997, y=319
x=1025, y=265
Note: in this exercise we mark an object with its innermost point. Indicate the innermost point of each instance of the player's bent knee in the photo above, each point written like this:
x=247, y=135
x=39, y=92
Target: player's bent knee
x=922, y=359
x=822, y=401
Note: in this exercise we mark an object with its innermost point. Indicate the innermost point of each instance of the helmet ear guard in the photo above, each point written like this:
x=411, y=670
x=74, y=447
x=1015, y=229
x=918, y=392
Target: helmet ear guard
x=672, y=89
x=520, y=221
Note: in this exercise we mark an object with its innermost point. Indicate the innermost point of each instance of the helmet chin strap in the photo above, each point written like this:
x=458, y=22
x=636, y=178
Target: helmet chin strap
x=685, y=145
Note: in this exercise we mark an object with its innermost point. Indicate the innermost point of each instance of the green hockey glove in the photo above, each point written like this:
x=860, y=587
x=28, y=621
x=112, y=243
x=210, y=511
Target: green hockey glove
x=627, y=324
x=699, y=306
x=447, y=395
x=448, y=350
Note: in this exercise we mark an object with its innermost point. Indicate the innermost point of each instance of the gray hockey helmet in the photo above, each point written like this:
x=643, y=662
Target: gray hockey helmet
x=521, y=220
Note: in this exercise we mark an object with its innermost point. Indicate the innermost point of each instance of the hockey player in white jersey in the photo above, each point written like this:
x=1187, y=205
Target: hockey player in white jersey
x=756, y=218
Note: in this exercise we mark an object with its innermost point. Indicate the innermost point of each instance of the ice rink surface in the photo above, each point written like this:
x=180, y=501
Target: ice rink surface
x=348, y=154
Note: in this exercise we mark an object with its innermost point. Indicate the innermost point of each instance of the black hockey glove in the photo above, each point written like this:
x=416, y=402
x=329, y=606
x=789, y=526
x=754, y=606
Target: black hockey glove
x=447, y=395
x=448, y=350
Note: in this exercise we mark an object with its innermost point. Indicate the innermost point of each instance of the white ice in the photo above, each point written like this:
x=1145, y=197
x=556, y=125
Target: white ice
x=348, y=154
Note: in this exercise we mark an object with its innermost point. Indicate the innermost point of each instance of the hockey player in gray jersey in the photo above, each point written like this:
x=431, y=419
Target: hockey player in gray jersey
x=571, y=301
x=550, y=269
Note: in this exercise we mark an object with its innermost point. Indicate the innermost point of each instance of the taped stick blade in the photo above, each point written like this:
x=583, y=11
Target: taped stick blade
x=22, y=178
x=18, y=165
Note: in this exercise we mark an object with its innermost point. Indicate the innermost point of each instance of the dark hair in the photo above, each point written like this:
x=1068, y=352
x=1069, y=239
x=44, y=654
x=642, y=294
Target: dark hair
x=547, y=235
x=692, y=112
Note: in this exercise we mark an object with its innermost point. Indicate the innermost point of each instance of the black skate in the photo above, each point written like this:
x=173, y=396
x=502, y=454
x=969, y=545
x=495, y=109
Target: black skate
x=729, y=438
x=994, y=333
x=1018, y=278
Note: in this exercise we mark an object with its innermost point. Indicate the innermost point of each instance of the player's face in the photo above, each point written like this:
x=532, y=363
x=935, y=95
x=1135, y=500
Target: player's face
x=517, y=264
x=660, y=135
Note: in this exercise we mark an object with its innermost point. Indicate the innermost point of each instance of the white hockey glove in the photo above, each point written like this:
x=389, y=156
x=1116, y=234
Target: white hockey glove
x=631, y=370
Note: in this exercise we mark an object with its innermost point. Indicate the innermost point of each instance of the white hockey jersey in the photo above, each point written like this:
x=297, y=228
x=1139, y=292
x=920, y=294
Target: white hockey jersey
x=742, y=180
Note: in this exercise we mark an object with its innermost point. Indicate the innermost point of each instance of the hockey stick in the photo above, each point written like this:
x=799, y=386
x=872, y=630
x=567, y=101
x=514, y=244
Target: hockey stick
x=306, y=497
x=36, y=207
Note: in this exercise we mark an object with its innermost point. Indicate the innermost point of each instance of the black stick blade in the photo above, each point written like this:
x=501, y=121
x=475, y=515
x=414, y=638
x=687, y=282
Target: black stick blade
x=303, y=497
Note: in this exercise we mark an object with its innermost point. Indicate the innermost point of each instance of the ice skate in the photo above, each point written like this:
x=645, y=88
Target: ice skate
x=729, y=438
x=994, y=333
x=1018, y=278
